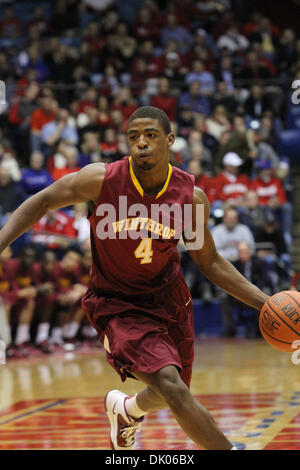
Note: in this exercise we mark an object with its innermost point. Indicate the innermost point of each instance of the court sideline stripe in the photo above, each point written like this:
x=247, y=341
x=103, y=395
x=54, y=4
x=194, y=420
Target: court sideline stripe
x=28, y=413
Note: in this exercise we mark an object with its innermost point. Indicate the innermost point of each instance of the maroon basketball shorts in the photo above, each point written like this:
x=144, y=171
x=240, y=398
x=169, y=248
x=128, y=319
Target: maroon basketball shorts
x=147, y=333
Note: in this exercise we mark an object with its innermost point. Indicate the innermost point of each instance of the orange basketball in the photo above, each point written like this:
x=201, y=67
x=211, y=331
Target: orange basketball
x=279, y=320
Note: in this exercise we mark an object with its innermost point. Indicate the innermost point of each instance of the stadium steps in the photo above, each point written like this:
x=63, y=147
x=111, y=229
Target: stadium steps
x=295, y=250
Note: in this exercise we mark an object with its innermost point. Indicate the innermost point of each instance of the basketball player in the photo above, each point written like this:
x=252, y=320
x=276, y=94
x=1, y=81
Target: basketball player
x=138, y=300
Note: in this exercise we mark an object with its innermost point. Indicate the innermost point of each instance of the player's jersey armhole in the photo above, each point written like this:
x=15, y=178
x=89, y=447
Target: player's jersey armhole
x=91, y=208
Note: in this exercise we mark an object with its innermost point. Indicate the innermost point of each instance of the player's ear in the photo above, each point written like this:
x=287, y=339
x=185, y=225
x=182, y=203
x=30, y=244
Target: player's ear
x=171, y=139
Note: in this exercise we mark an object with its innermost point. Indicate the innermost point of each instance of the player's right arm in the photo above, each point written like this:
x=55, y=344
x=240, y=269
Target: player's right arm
x=84, y=185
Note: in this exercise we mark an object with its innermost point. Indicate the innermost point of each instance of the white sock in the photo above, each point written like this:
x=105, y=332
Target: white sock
x=233, y=448
x=56, y=335
x=71, y=329
x=132, y=408
x=22, y=334
x=89, y=331
x=42, y=332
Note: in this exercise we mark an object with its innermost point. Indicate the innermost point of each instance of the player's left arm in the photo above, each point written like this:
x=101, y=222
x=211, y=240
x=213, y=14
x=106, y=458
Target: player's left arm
x=216, y=268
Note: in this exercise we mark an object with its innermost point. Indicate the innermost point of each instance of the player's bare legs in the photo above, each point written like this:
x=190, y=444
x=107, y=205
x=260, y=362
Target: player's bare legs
x=149, y=400
x=192, y=417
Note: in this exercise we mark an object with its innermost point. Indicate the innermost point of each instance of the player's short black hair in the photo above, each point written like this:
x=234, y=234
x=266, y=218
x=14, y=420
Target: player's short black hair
x=152, y=113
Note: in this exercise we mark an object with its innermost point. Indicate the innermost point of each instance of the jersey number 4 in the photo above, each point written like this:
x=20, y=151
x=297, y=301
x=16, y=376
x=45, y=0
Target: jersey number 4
x=144, y=251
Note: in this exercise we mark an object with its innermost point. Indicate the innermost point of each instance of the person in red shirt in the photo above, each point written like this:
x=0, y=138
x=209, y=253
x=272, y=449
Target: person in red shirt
x=41, y=116
x=202, y=180
x=231, y=185
x=124, y=102
x=271, y=194
x=55, y=230
x=164, y=100
x=10, y=25
x=71, y=156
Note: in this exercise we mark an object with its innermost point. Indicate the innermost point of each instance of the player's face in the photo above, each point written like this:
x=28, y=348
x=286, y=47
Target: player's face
x=148, y=143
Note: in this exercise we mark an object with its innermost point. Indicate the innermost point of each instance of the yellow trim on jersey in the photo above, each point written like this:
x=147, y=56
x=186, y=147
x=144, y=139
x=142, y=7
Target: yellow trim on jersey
x=166, y=183
x=135, y=180
x=139, y=187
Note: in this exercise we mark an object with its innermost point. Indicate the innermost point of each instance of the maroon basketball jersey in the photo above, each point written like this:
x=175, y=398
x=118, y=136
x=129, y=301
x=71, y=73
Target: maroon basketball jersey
x=123, y=263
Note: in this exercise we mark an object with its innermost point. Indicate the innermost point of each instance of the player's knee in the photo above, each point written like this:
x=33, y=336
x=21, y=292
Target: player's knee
x=170, y=386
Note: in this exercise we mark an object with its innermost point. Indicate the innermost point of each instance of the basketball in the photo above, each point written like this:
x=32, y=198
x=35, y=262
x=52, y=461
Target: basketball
x=279, y=320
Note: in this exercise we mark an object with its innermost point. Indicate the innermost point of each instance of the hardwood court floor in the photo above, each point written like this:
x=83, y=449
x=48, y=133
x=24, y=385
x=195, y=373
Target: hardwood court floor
x=56, y=402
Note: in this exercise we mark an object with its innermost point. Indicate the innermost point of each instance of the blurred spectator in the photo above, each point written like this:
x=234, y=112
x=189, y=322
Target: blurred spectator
x=11, y=195
x=194, y=99
x=230, y=233
x=164, y=99
x=256, y=103
x=232, y=40
x=109, y=146
x=254, y=68
x=124, y=102
x=225, y=72
x=260, y=149
x=174, y=31
x=8, y=161
x=71, y=156
x=54, y=230
x=223, y=97
x=199, y=74
x=36, y=177
x=81, y=223
x=89, y=100
x=252, y=214
x=255, y=270
x=271, y=246
x=203, y=155
x=41, y=116
x=180, y=143
x=39, y=21
x=202, y=180
x=231, y=185
x=146, y=27
x=90, y=150
x=271, y=194
x=58, y=129
x=218, y=122
x=10, y=25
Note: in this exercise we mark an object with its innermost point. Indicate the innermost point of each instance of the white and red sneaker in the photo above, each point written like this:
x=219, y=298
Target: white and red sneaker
x=122, y=426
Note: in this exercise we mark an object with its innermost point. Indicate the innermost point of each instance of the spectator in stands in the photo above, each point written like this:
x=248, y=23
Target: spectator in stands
x=10, y=25
x=260, y=149
x=223, y=97
x=109, y=146
x=225, y=72
x=36, y=177
x=271, y=194
x=255, y=270
x=146, y=27
x=54, y=231
x=230, y=233
x=202, y=154
x=9, y=161
x=218, y=122
x=71, y=157
x=89, y=150
x=194, y=99
x=202, y=179
x=252, y=214
x=256, y=103
x=174, y=31
x=41, y=116
x=7, y=296
x=271, y=246
x=124, y=102
x=180, y=143
x=58, y=129
x=11, y=195
x=205, y=78
x=232, y=40
x=231, y=185
x=164, y=99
